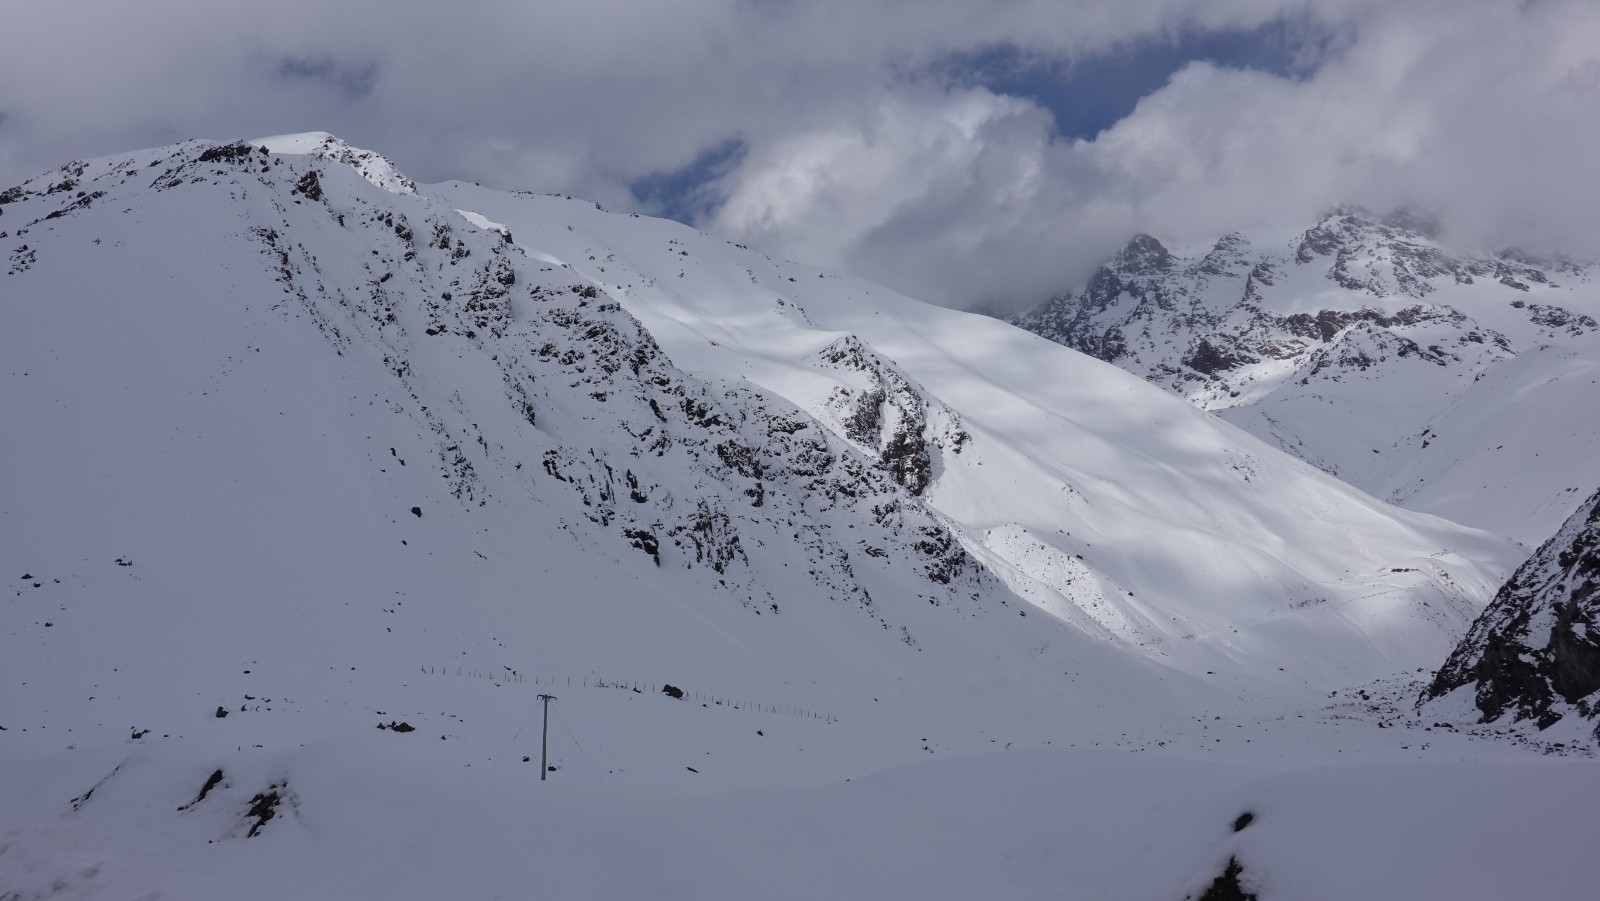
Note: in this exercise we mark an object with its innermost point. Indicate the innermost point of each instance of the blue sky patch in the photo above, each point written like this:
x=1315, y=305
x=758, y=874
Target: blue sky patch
x=682, y=193
x=1089, y=95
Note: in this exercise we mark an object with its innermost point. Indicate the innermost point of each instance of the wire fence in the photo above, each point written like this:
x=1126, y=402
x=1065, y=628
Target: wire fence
x=507, y=676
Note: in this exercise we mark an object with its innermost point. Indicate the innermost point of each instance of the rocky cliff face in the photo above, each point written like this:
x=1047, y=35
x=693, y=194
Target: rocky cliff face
x=1535, y=652
x=1356, y=345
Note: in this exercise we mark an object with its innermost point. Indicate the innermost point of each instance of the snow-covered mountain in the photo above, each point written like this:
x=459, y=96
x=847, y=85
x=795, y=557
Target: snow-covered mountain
x=315, y=478
x=1452, y=384
x=1535, y=652
x=691, y=411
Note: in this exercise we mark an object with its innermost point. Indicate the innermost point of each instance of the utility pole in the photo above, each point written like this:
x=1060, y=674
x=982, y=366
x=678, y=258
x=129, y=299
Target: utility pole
x=544, y=739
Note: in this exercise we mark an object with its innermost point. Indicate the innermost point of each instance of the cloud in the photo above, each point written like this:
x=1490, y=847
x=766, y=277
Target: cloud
x=1479, y=114
x=955, y=196
x=353, y=80
x=866, y=134
x=1482, y=114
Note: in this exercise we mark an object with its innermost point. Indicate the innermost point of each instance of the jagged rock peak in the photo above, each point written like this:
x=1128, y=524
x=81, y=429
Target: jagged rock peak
x=1535, y=652
x=374, y=167
x=1227, y=257
x=1348, y=226
x=1143, y=255
x=1283, y=330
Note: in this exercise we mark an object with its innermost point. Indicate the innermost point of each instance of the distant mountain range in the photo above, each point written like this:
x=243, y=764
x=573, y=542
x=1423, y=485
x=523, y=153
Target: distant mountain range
x=1453, y=384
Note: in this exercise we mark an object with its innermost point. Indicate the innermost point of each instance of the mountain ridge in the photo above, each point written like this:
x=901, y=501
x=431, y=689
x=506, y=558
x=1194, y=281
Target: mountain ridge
x=773, y=395
x=1358, y=345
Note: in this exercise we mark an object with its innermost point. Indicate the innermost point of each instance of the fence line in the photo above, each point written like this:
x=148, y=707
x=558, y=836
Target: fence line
x=508, y=676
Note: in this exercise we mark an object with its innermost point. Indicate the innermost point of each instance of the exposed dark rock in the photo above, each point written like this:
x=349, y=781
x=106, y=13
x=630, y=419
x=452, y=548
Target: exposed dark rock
x=1143, y=255
x=865, y=423
x=1318, y=241
x=227, y=153
x=1243, y=820
x=1211, y=358
x=891, y=401
x=908, y=460
x=263, y=807
x=672, y=691
x=1226, y=887
x=309, y=185
x=646, y=541
x=1535, y=652
x=212, y=781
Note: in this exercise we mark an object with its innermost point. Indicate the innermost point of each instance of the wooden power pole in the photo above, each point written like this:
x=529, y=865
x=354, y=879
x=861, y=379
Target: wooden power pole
x=544, y=739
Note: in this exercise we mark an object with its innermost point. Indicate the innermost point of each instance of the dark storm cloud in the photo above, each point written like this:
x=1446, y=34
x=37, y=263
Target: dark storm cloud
x=959, y=151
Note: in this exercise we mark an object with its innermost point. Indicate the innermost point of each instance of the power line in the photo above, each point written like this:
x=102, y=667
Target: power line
x=510, y=743
x=561, y=719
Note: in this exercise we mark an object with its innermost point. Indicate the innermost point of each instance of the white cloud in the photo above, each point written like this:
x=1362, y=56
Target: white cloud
x=950, y=196
x=1485, y=114
x=1482, y=110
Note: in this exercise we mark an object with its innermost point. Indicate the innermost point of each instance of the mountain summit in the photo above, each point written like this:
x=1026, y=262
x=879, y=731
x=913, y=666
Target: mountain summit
x=1451, y=384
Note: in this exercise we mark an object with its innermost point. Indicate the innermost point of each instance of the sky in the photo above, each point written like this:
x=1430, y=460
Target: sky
x=966, y=153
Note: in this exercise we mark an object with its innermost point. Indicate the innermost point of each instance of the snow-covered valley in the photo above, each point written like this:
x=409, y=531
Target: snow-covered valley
x=299, y=452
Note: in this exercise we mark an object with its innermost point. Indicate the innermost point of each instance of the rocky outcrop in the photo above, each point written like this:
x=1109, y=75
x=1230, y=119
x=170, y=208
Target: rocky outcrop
x=892, y=417
x=1535, y=652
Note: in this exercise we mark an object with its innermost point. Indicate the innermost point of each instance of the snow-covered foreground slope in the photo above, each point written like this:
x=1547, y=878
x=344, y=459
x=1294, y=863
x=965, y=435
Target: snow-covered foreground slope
x=1454, y=385
x=298, y=452
x=357, y=821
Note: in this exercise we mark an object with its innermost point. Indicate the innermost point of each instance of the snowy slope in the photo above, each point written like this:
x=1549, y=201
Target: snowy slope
x=1454, y=385
x=362, y=823
x=220, y=335
x=1111, y=506
x=297, y=449
x=281, y=438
